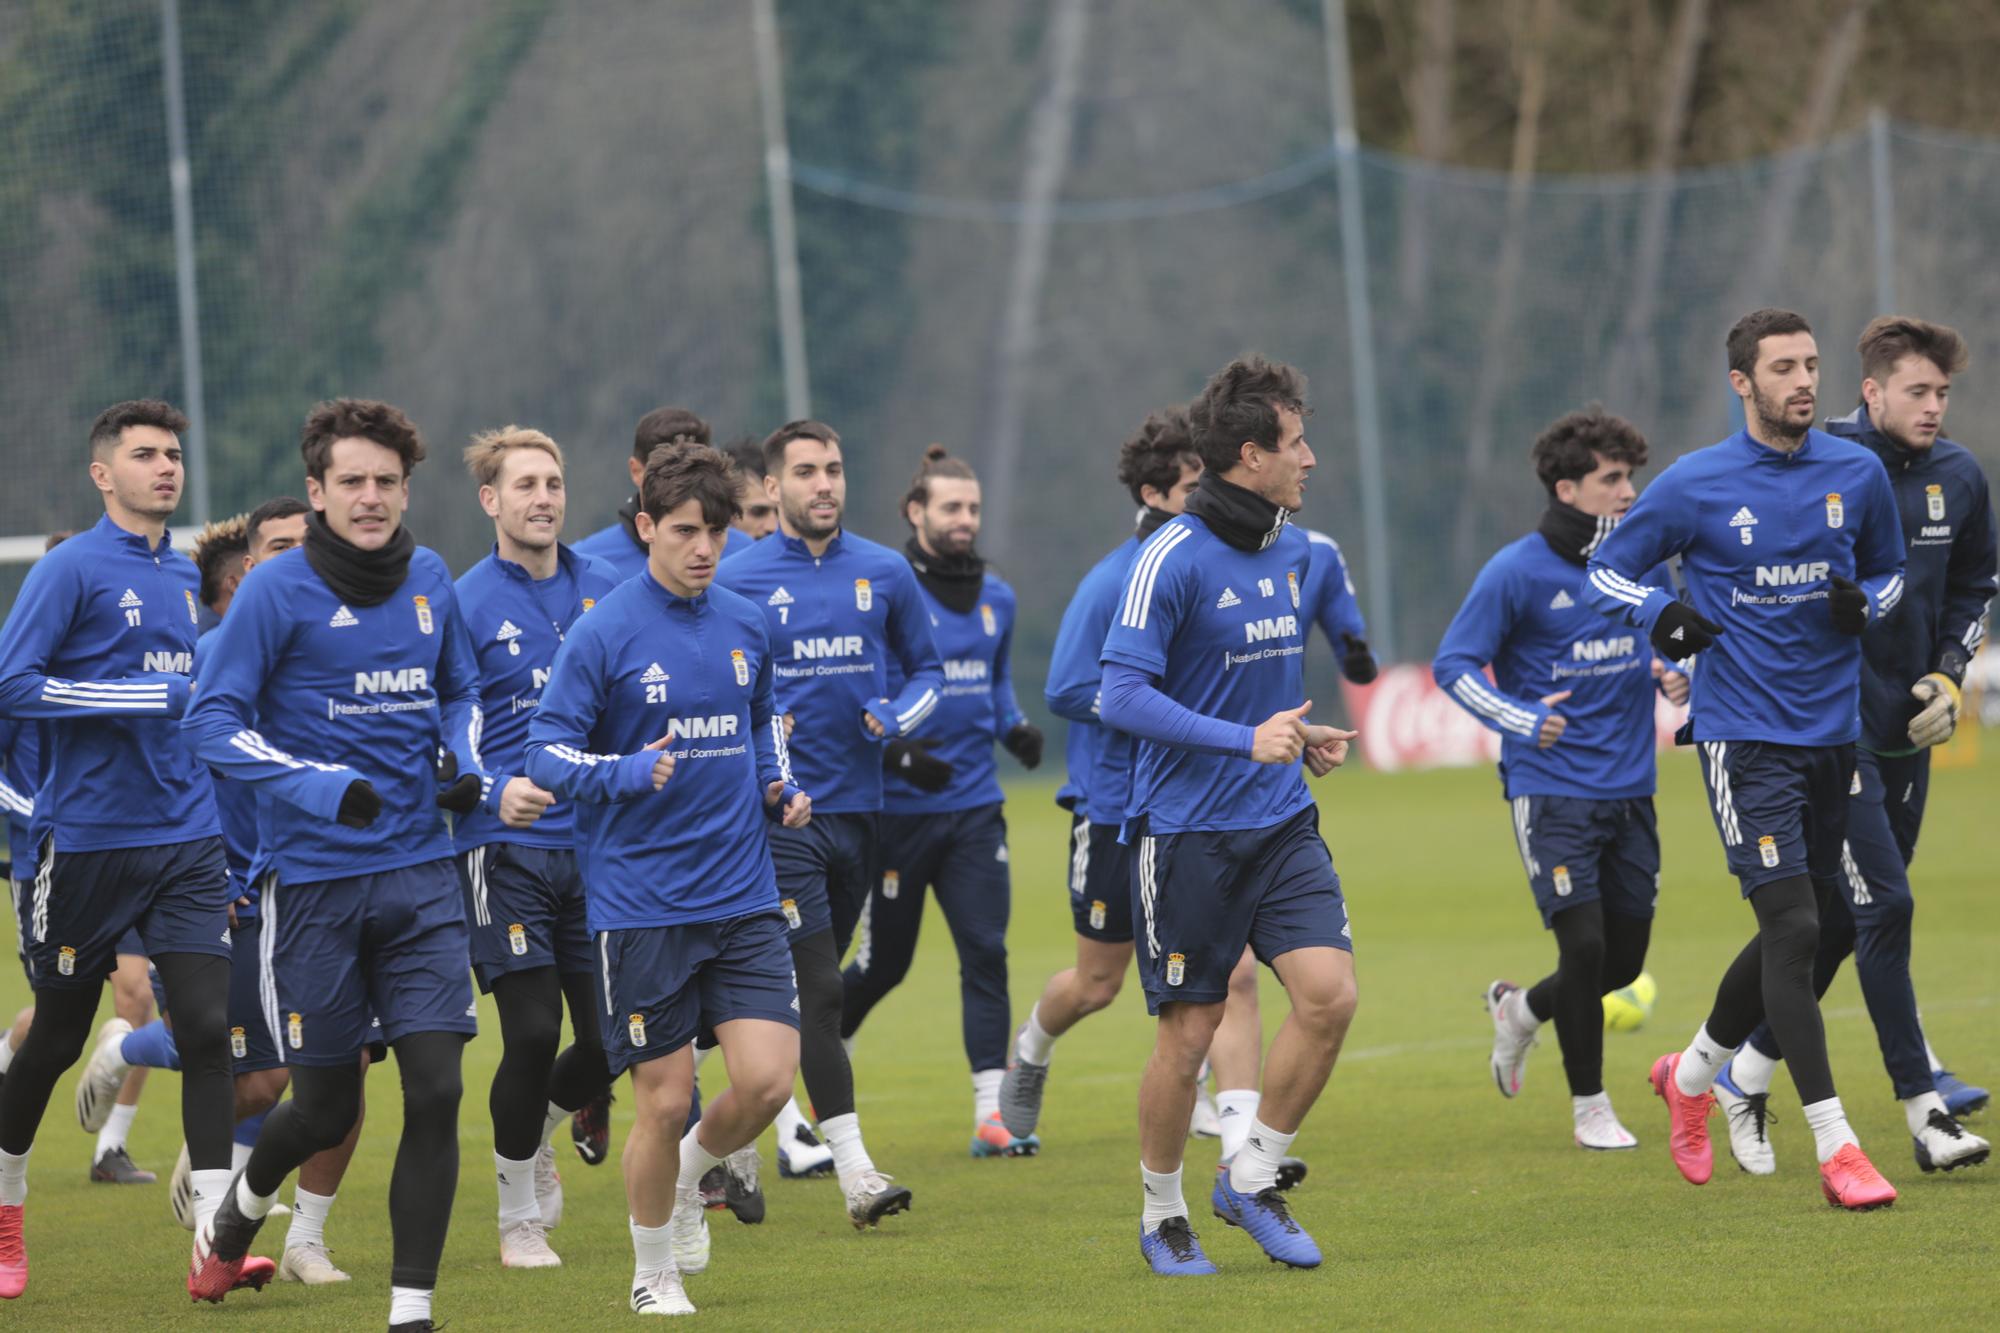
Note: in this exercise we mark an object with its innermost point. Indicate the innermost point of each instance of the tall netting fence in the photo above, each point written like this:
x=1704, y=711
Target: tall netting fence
x=1020, y=224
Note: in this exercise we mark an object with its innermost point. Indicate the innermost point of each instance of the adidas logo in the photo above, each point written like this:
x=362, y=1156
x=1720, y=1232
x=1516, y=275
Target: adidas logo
x=779, y=598
x=508, y=630
x=1744, y=518
x=1255, y=1142
x=342, y=618
x=1562, y=601
x=653, y=675
x=1678, y=635
x=129, y=599
x=1227, y=600
x=1228, y=1111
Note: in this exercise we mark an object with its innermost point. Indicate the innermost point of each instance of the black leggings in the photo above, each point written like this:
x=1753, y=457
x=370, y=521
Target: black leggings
x=822, y=1059
x=197, y=987
x=1772, y=981
x=323, y=1107
x=1596, y=953
x=531, y=1073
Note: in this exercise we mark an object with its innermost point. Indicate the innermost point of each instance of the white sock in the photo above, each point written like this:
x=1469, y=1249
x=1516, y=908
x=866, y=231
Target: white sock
x=1917, y=1110
x=1752, y=1070
x=208, y=1188
x=986, y=1093
x=1579, y=1105
x=556, y=1115
x=696, y=1161
x=1236, y=1108
x=112, y=1137
x=6, y=1050
x=309, y=1212
x=1256, y=1167
x=788, y=1122
x=850, y=1158
x=653, y=1249
x=1828, y=1121
x=239, y=1156
x=409, y=1304
x=13, y=1179
x=252, y=1206
x=1700, y=1063
x=1163, y=1197
x=517, y=1190
x=1035, y=1045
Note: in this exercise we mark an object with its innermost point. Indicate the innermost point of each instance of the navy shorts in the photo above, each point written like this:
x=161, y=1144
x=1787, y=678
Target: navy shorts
x=524, y=907
x=250, y=1044
x=1884, y=815
x=177, y=898
x=1100, y=882
x=1202, y=896
x=825, y=871
x=1781, y=809
x=663, y=984
x=339, y=953
x=1577, y=850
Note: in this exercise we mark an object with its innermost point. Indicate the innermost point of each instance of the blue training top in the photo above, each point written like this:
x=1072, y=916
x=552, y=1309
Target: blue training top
x=99, y=649
x=516, y=625
x=643, y=665
x=1760, y=535
x=1099, y=758
x=835, y=622
x=976, y=706
x=1948, y=576
x=301, y=694
x=1526, y=615
x=1221, y=631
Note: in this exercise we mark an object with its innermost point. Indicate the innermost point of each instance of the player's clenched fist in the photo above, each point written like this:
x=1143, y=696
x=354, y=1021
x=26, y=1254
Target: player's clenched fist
x=663, y=767
x=522, y=803
x=798, y=810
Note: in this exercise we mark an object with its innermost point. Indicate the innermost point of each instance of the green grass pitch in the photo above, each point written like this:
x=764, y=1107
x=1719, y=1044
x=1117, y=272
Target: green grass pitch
x=1437, y=1203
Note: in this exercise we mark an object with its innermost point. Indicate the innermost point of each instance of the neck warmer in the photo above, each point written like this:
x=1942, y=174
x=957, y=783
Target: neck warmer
x=1244, y=519
x=1573, y=534
x=1151, y=520
x=358, y=577
x=628, y=519
x=954, y=580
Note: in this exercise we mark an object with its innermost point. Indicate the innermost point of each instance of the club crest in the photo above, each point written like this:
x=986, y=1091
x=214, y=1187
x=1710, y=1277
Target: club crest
x=864, y=595
x=1836, y=513
x=424, y=621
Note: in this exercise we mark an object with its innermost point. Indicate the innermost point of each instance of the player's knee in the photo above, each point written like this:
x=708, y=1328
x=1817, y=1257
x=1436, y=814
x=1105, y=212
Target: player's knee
x=432, y=1092
x=259, y=1091
x=1186, y=1032
x=201, y=1034
x=325, y=1109
x=1096, y=990
x=820, y=989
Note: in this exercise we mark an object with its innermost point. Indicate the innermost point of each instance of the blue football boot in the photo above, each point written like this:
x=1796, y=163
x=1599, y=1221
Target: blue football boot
x=1173, y=1250
x=1960, y=1097
x=1268, y=1219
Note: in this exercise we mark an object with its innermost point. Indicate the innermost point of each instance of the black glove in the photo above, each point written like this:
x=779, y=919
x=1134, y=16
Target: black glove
x=359, y=804
x=913, y=762
x=1356, y=662
x=1681, y=632
x=460, y=795
x=1847, y=606
x=1024, y=742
